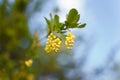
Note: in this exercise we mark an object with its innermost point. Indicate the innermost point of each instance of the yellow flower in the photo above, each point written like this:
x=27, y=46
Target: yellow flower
x=28, y=63
x=53, y=43
x=69, y=40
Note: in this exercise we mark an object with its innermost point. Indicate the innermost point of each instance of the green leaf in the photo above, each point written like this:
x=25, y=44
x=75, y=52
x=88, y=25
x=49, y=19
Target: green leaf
x=81, y=25
x=56, y=20
x=73, y=16
x=72, y=19
x=47, y=21
x=51, y=16
x=61, y=26
x=78, y=17
x=73, y=25
x=49, y=25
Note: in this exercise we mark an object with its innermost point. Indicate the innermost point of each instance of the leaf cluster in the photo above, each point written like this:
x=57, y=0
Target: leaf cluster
x=72, y=18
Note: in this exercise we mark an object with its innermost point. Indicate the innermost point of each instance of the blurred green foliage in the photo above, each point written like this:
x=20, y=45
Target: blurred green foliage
x=17, y=46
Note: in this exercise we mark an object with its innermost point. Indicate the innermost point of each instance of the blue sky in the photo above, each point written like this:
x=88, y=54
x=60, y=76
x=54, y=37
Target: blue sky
x=106, y=29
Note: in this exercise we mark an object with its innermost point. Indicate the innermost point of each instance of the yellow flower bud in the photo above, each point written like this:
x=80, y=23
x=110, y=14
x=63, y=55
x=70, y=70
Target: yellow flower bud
x=69, y=40
x=28, y=63
x=53, y=43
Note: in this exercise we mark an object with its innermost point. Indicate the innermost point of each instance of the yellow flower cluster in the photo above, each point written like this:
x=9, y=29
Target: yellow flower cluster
x=28, y=63
x=69, y=40
x=53, y=43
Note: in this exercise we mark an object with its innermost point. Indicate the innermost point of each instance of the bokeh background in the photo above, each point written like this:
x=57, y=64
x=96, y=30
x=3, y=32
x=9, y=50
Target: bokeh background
x=95, y=55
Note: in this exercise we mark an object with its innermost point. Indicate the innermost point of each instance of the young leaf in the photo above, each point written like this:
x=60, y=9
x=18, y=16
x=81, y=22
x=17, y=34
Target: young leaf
x=47, y=21
x=72, y=19
x=49, y=25
x=77, y=18
x=51, y=16
x=56, y=23
x=62, y=26
x=73, y=25
x=56, y=20
x=73, y=16
x=81, y=25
